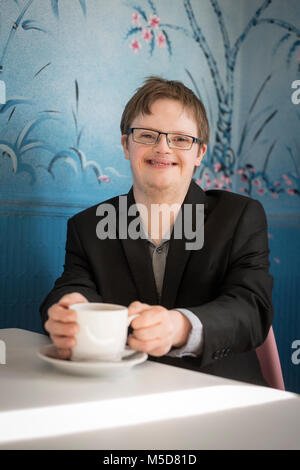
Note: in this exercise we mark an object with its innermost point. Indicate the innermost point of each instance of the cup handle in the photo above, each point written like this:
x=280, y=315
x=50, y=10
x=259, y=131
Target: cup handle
x=129, y=320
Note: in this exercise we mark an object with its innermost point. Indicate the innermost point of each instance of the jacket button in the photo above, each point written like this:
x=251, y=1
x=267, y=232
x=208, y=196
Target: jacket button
x=216, y=355
x=224, y=352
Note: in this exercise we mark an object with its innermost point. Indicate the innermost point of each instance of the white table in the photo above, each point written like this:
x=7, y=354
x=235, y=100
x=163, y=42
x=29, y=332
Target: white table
x=152, y=406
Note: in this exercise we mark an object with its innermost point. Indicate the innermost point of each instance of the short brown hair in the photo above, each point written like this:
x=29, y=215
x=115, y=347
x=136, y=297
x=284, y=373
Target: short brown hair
x=156, y=88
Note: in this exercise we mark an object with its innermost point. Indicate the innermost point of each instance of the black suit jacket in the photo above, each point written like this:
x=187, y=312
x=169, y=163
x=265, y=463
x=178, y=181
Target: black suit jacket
x=226, y=283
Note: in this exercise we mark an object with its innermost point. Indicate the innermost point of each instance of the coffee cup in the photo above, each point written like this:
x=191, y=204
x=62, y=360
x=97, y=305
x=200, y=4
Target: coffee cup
x=102, y=331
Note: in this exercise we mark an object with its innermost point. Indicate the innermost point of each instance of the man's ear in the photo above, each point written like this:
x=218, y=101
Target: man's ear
x=124, y=142
x=201, y=154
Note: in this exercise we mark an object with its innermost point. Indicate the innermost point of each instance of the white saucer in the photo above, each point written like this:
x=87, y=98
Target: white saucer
x=129, y=359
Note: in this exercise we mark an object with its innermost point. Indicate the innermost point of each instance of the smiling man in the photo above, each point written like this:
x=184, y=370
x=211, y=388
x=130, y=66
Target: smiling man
x=205, y=309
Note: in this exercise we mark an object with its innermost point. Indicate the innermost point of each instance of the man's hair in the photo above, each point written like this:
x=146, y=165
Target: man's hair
x=156, y=88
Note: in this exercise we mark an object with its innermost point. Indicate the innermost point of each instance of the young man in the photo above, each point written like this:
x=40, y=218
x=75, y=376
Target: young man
x=205, y=308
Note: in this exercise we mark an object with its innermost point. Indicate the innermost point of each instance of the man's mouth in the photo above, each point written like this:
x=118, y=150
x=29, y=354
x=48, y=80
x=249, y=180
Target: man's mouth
x=160, y=163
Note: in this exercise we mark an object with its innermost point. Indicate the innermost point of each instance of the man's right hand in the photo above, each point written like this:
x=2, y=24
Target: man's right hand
x=62, y=324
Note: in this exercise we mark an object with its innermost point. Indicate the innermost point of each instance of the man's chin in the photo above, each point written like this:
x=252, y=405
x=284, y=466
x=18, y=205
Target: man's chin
x=162, y=186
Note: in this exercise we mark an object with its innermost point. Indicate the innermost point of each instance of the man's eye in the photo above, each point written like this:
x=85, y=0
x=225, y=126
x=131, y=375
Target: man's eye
x=147, y=136
x=180, y=138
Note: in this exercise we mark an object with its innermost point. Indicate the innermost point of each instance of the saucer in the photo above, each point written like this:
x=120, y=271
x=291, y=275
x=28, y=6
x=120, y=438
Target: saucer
x=129, y=359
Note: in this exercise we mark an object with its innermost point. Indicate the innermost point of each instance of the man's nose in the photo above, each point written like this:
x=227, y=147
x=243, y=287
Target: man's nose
x=162, y=144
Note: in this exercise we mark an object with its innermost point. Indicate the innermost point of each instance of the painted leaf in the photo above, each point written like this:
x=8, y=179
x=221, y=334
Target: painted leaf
x=10, y=152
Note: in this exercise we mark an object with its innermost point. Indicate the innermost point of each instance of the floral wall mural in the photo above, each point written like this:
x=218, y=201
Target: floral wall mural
x=223, y=160
x=67, y=69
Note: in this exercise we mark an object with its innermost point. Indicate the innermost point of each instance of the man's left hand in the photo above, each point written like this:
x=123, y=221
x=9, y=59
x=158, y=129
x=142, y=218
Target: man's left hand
x=157, y=329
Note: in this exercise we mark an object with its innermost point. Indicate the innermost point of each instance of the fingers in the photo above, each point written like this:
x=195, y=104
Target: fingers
x=62, y=328
x=137, y=307
x=74, y=298
x=153, y=330
x=149, y=316
x=64, y=342
x=64, y=353
x=62, y=325
x=156, y=347
x=62, y=335
x=61, y=314
x=159, y=331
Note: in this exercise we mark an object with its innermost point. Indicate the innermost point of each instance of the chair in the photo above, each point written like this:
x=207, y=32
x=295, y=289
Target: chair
x=269, y=361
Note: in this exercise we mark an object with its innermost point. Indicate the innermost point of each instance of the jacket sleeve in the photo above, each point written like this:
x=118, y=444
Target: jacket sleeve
x=76, y=277
x=239, y=318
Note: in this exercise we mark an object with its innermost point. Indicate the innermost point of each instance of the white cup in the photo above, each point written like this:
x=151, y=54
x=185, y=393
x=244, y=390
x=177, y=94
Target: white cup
x=102, y=331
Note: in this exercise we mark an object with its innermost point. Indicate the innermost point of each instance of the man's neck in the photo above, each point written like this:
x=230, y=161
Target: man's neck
x=158, y=210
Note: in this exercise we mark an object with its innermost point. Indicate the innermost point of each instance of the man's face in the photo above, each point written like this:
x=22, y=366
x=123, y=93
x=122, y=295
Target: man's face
x=166, y=116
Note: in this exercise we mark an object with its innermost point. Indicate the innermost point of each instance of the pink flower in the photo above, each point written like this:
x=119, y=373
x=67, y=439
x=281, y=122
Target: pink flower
x=146, y=34
x=135, y=46
x=277, y=260
x=199, y=181
x=161, y=40
x=241, y=171
x=154, y=21
x=260, y=191
x=228, y=180
x=257, y=182
x=290, y=191
x=242, y=190
x=219, y=184
x=228, y=189
x=288, y=182
x=284, y=176
x=104, y=178
x=136, y=18
x=217, y=166
x=274, y=195
x=244, y=178
x=277, y=183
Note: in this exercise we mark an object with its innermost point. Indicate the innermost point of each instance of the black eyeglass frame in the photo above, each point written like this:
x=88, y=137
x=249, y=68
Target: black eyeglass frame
x=195, y=139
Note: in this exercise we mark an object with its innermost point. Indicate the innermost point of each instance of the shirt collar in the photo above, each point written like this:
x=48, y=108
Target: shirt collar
x=165, y=239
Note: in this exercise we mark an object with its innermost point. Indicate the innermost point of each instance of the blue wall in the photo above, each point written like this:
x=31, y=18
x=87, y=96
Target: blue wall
x=69, y=68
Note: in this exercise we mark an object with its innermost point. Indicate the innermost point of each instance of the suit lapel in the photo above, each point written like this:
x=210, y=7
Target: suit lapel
x=138, y=257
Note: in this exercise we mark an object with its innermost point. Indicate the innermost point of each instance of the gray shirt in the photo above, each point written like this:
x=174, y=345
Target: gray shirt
x=159, y=253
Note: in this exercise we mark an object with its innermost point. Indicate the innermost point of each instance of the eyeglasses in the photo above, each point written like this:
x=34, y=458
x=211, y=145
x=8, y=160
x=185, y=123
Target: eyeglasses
x=174, y=141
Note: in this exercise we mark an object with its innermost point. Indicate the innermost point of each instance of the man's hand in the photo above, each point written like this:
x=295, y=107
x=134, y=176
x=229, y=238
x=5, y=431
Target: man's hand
x=157, y=329
x=62, y=325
